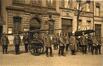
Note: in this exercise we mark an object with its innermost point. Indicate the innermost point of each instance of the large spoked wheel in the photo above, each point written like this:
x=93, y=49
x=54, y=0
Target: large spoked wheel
x=31, y=49
x=36, y=49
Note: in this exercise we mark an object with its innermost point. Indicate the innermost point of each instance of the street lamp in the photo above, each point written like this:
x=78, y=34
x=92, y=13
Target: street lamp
x=78, y=12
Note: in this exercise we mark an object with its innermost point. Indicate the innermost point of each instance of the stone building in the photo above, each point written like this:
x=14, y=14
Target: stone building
x=1, y=23
x=24, y=15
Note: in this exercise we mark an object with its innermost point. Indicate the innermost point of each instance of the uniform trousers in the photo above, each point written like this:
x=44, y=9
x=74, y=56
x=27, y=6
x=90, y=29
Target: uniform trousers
x=61, y=50
x=4, y=48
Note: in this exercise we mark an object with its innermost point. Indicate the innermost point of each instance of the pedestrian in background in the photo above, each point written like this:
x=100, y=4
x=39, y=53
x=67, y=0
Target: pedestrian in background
x=26, y=42
x=5, y=42
x=17, y=42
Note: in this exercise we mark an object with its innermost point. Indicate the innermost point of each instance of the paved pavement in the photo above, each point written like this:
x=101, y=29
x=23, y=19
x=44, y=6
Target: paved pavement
x=26, y=59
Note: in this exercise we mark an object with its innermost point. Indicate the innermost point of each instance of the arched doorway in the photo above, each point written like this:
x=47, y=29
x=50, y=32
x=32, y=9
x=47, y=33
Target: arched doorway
x=35, y=23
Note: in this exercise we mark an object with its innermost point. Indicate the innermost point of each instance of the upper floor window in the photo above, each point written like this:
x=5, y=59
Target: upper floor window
x=89, y=25
x=51, y=3
x=78, y=4
x=66, y=3
x=79, y=24
x=17, y=24
x=69, y=3
x=36, y=2
x=18, y=1
x=62, y=3
x=27, y=1
x=0, y=7
x=88, y=5
x=97, y=9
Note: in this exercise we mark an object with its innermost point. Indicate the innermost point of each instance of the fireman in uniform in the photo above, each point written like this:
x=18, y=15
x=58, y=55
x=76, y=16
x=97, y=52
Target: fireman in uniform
x=84, y=44
x=94, y=45
x=17, y=42
x=73, y=44
x=61, y=45
x=5, y=42
x=48, y=45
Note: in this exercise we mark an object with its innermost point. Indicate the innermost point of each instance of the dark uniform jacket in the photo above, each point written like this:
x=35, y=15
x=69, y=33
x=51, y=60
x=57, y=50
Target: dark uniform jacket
x=17, y=40
x=25, y=40
x=4, y=40
x=73, y=43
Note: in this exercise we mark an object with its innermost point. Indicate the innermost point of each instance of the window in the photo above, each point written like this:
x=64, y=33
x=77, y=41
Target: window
x=17, y=24
x=0, y=7
x=19, y=1
x=79, y=24
x=36, y=2
x=51, y=3
x=69, y=3
x=80, y=21
x=78, y=5
x=88, y=7
x=98, y=32
x=67, y=25
x=10, y=30
x=27, y=1
x=89, y=24
x=97, y=10
x=62, y=3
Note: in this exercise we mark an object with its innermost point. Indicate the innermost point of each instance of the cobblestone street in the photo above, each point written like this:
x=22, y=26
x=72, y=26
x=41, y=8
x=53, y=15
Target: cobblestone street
x=26, y=59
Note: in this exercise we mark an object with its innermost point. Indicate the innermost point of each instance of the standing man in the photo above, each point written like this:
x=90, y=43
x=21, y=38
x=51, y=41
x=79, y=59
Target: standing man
x=61, y=45
x=5, y=42
x=26, y=42
x=89, y=42
x=99, y=47
x=55, y=44
x=48, y=45
x=17, y=42
x=66, y=38
x=94, y=45
x=73, y=44
x=84, y=44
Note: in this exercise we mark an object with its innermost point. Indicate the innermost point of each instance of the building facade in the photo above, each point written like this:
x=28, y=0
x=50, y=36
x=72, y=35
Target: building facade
x=24, y=15
x=1, y=23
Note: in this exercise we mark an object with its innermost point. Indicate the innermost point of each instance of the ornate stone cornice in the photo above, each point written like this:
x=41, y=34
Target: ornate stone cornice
x=33, y=10
x=82, y=13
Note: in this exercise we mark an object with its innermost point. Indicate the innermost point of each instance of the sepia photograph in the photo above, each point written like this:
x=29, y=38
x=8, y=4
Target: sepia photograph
x=51, y=33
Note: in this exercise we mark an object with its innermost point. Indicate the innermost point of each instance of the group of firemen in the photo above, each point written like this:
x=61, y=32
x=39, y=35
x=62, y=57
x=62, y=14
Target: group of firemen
x=16, y=42
x=62, y=42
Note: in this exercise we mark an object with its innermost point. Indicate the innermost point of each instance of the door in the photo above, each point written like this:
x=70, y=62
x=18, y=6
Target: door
x=67, y=25
x=98, y=31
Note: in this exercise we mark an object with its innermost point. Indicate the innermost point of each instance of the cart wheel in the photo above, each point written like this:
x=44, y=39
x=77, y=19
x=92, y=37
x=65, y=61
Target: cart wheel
x=32, y=51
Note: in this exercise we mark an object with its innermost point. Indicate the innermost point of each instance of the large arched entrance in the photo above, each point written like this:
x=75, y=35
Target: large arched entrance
x=35, y=23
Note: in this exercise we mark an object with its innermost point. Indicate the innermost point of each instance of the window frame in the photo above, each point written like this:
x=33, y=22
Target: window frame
x=97, y=6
